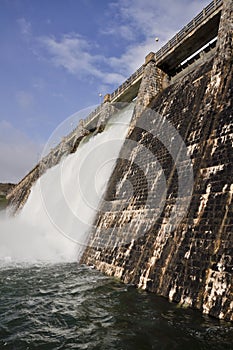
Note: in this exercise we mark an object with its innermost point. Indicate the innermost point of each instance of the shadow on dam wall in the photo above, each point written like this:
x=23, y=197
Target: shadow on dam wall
x=190, y=264
x=134, y=239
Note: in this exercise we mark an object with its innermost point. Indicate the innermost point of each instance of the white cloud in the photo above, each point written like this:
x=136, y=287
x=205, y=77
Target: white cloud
x=136, y=24
x=73, y=53
x=132, y=59
x=123, y=31
x=18, y=153
x=25, y=26
x=151, y=18
x=147, y=20
x=69, y=52
x=132, y=27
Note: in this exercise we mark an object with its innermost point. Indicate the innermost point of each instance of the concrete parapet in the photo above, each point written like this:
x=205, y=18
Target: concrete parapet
x=107, y=98
x=150, y=57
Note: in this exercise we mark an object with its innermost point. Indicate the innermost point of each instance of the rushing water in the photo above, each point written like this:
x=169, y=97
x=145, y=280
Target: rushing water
x=55, y=222
x=67, y=306
x=48, y=301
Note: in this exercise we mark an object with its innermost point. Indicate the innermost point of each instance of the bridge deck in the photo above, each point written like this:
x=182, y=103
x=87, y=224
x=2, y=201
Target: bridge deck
x=197, y=33
x=202, y=29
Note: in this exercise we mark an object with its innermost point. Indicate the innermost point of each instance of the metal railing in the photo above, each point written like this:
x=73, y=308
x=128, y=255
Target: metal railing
x=92, y=115
x=116, y=93
x=85, y=122
x=206, y=12
x=127, y=83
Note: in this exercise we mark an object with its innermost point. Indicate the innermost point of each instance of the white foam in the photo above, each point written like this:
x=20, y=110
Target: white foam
x=55, y=222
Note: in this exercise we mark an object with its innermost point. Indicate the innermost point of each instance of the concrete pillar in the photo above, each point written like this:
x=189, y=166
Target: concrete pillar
x=222, y=66
x=224, y=44
x=107, y=98
x=152, y=81
x=107, y=110
x=150, y=57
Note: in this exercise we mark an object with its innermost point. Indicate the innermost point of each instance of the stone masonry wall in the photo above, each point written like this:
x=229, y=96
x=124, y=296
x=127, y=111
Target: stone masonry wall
x=142, y=234
x=153, y=82
x=192, y=263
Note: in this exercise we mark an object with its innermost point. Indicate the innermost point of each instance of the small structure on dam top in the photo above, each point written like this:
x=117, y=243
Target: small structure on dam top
x=183, y=92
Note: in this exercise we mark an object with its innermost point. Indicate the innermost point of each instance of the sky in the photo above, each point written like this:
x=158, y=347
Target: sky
x=56, y=56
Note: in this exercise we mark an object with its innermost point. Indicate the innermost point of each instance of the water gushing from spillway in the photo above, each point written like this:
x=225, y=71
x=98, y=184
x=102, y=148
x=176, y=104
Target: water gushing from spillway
x=53, y=225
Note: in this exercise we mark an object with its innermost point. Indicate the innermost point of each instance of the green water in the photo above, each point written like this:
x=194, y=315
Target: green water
x=3, y=202
x=67, y=306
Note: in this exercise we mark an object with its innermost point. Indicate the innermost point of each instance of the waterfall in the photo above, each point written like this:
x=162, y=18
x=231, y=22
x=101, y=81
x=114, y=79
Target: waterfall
x=53, y=225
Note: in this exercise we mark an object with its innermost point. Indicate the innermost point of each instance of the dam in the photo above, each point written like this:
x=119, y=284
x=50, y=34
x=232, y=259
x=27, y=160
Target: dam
x=173, y=234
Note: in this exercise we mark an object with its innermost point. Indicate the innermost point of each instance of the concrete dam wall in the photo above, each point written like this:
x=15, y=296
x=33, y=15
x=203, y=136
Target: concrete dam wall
x=165, y=224
x=191, y=264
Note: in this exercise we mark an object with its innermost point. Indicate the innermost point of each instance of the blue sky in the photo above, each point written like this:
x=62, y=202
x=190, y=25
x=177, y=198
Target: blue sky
x=57, y=55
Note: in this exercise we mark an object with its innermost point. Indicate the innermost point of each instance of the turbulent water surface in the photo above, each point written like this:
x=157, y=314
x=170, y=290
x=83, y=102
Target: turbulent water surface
x=58, y=304
x=67, y=306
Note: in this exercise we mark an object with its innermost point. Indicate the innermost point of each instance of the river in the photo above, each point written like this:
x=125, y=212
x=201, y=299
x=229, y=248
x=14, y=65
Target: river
x=68, y=306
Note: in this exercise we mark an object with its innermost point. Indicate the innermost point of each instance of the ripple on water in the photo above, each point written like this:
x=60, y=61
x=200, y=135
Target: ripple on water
x=66, y=306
